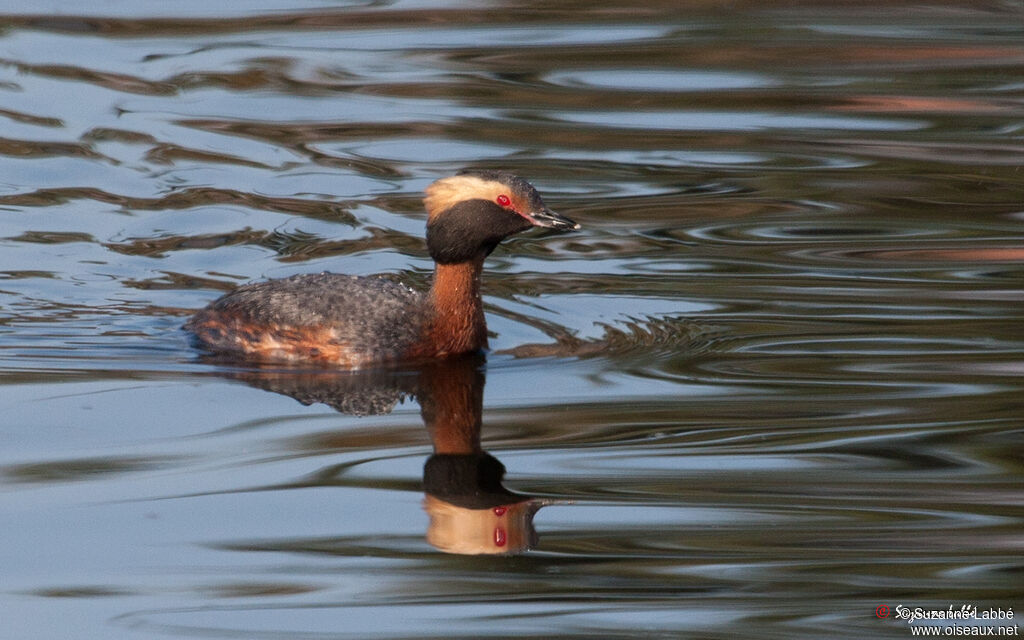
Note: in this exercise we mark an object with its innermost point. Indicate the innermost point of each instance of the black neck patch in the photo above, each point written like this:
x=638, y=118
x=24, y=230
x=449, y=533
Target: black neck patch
x=469, y=230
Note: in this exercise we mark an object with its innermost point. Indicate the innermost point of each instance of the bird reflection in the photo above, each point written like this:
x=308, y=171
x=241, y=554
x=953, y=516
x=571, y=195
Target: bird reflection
x=470, y=511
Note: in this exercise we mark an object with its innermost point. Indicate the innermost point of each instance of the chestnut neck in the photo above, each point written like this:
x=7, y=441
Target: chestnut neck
x=458, y=324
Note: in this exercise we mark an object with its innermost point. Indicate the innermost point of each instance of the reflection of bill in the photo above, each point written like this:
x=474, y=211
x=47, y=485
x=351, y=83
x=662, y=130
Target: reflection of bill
x=470, y=511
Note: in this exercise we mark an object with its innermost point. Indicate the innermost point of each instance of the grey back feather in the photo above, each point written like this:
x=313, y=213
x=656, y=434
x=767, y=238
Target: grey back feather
x=371, y=314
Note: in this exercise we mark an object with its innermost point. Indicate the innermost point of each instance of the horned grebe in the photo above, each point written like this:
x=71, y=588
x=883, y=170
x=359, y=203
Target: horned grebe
x=352, y=322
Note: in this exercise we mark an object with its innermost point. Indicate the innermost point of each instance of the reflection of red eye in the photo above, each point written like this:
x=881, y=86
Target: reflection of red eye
x=503, y=200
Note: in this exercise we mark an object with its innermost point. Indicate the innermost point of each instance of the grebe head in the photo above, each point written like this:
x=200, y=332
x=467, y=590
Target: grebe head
x=471, y=212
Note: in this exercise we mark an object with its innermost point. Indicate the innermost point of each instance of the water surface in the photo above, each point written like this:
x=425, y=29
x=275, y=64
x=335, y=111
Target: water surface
x=776, y=381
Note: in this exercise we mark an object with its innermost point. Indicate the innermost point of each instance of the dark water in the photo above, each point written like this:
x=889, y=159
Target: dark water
x=776, y=381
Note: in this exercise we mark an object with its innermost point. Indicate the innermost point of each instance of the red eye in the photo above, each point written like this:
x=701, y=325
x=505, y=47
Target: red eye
x=503, y=200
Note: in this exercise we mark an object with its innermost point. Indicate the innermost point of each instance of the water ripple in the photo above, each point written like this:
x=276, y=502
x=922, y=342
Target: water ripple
x=773, y=382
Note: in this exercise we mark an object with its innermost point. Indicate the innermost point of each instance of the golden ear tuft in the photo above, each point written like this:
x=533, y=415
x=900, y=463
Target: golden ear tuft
x=447, y=192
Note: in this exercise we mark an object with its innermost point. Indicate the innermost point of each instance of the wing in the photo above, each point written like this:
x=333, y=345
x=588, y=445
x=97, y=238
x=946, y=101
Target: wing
x=342, y=319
